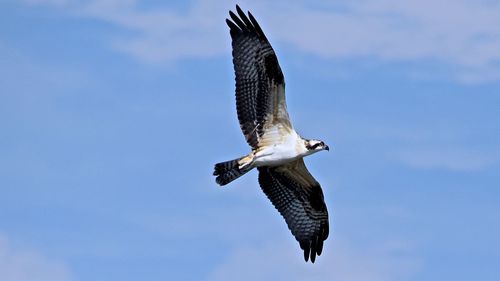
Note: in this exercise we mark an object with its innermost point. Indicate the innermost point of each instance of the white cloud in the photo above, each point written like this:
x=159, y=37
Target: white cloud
x=163, y=34
x=339, y=261
x=447, y=158
x=47, y=2
x=463, y=34
x=16, y=265
x=433, y=145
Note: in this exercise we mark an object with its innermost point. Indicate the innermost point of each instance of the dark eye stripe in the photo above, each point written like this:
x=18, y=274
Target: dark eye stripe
x=315, y=145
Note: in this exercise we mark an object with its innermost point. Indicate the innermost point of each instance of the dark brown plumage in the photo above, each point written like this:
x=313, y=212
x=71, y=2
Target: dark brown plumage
x=299, y=199
x=260, y=104
x=258, y=74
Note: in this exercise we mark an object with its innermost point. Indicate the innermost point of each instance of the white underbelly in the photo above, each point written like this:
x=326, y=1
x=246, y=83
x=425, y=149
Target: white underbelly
x=280, y=147
x=275, y=155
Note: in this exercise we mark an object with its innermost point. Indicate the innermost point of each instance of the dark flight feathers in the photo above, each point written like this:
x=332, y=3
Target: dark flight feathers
x=299, y=199
x=258, y=75
x=260, y=102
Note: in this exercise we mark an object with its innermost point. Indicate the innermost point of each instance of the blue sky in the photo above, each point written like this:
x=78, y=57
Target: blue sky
x=112, y=114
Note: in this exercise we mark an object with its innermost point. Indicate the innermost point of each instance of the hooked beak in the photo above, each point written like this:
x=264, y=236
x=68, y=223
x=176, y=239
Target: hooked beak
x=327, y=148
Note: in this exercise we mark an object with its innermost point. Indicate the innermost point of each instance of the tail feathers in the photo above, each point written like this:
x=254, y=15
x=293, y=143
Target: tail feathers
x=228, y=171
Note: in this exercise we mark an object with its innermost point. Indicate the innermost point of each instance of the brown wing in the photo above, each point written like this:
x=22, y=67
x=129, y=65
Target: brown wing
x=299, y=199
x=260, y=85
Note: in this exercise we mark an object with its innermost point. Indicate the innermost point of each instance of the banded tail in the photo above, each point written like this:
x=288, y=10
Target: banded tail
x=228, y=171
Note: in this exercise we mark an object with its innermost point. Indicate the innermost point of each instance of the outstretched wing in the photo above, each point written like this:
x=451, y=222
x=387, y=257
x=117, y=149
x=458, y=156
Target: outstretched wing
x=299, y=199
x=260, y=85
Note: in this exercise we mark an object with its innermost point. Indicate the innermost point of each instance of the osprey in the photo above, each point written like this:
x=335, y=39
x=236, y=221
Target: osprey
x=277, y=149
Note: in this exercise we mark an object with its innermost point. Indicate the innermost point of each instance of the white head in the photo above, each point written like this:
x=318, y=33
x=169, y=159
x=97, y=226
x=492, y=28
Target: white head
x=314, y=146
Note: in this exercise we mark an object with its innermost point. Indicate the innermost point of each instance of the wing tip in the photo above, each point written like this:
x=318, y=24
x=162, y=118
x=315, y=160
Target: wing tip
x=306, y=247
x=238, y=9
x=244, y=22
x=312, y=248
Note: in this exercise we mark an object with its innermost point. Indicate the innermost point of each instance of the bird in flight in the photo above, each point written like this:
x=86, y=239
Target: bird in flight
x=277, y=149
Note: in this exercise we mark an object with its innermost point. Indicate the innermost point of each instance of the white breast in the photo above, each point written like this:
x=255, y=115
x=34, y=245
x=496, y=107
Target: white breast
x=279, y=147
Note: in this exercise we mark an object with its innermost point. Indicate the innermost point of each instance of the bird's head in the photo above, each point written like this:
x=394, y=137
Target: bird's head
x=313, y=146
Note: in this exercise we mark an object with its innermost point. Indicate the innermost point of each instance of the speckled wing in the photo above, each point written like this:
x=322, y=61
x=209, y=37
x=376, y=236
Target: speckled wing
x=299, y=199
x=260, y=85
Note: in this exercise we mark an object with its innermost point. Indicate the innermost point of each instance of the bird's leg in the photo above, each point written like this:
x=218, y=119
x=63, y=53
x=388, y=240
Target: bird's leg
x=254, y=128
x=245, y=161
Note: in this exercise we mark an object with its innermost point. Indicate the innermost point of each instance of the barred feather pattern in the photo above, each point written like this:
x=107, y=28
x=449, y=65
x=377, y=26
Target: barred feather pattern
x=299, y=199
x=228, y=171
x=259, y=80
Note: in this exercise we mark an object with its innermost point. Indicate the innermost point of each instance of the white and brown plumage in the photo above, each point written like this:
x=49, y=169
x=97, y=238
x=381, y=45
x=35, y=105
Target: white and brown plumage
x=277, y=150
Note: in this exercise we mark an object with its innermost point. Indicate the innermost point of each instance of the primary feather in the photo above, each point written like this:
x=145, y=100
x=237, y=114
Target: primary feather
x=277, y=150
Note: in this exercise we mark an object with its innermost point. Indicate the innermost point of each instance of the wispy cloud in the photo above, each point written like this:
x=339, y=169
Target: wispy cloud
x=278, y=261
x=443, y=143
x=47, y=2
x=16, y=265
x=163, y=34
x=457, y=159
x=460, y=33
